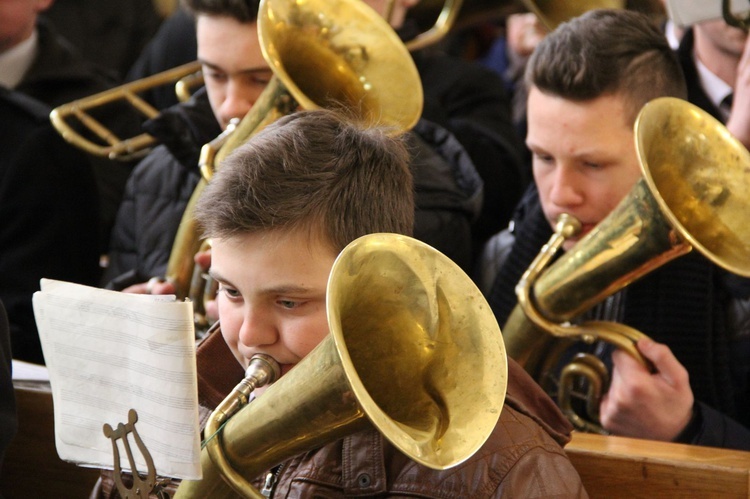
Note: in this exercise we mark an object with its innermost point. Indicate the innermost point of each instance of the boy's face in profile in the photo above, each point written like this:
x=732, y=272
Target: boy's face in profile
x=584, y=156
x=272, y=294
x=234, y=69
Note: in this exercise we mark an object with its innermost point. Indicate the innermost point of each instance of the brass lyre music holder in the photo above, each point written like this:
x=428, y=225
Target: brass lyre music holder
x=141, y=487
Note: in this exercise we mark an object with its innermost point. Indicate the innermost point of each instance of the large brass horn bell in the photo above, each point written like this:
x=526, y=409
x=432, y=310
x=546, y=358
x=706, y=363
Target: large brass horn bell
x=414, y=351
x=338, y=54
x=695, y=193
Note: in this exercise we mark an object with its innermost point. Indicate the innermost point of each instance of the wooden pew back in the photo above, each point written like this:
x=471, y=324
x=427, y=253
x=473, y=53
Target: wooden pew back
x=614, y=467
x=32, y=467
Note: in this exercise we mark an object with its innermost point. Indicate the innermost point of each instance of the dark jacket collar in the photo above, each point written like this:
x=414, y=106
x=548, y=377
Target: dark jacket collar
x=185, y=127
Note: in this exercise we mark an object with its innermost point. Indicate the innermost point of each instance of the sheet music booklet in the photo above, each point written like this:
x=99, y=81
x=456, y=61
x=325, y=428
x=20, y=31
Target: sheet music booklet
x=108, y=352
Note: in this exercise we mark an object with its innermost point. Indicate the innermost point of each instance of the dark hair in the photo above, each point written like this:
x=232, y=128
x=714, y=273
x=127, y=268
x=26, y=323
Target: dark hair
x=244, y=11
x=312, y=169
x=607, y=52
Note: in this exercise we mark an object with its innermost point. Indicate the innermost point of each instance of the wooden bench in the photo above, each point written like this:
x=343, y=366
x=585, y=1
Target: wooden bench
x=610, y=467
x=614, y=467
x=31, y=467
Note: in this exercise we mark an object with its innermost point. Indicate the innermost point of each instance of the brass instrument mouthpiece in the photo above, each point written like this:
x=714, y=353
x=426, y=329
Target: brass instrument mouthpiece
x=262, y=370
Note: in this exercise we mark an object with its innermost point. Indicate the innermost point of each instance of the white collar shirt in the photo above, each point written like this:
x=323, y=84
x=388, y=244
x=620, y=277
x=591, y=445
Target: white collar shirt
x=716, y=89
x=15, y=62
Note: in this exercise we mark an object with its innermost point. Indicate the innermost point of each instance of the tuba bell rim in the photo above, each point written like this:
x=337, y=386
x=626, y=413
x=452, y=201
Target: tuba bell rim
x=433, y=270
x=654, y=122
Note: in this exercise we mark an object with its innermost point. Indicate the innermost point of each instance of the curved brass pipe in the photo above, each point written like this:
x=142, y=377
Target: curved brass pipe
x=262, y=370
x=110, y=145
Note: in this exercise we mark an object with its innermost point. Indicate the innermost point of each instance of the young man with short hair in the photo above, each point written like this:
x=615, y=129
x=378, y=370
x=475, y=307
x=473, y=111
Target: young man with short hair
x=588, y=80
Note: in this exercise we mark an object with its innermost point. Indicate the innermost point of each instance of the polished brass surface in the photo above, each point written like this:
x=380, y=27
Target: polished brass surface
x=324, y=54
x=591, y=368
x=339, y=53
x=414, y=350
x=261, y=371
x=702, y=184
x=108, y=144
x=552, y=13
x=695, y=193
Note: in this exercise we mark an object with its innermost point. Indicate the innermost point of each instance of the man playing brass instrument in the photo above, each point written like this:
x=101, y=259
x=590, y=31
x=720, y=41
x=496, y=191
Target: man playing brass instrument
x=588, y=80
x=449, y=188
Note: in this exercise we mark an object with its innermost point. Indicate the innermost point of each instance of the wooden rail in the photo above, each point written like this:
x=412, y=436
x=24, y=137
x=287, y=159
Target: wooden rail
x=31, y=467
x=614, y=467
x=610, y=467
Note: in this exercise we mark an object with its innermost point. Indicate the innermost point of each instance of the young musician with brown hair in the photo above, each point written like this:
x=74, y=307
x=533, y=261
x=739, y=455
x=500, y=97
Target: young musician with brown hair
x=278, y=213
x=587, y=82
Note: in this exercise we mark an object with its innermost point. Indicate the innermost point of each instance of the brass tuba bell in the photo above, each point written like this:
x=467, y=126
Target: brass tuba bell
x=414, y=351
x=695, y=193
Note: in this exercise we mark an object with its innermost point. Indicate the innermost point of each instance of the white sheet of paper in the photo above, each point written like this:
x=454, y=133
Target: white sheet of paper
x=108, y=352
x=688, y=12
x=26, y=371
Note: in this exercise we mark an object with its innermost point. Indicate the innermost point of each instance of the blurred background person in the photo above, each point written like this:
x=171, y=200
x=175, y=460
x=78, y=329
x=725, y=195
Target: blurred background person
x=38, y=62
x=108, y=33
x=716, y=61
x=49, y=207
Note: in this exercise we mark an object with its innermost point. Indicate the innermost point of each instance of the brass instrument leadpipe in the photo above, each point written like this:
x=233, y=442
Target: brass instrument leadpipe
x=262, y=370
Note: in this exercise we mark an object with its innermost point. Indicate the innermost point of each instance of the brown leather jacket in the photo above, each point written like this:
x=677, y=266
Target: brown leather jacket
x=523, y=457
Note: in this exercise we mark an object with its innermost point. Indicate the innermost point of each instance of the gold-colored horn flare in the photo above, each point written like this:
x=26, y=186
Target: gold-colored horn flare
x=414, y=350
